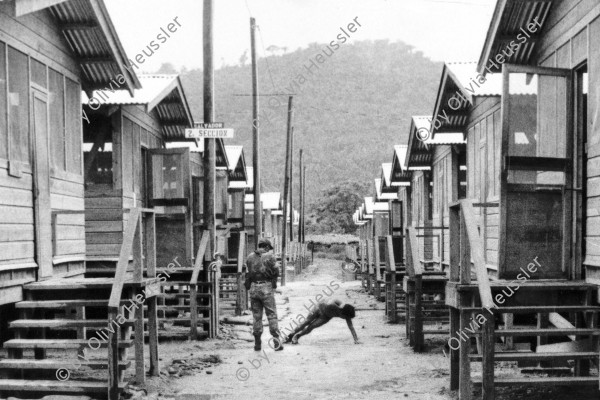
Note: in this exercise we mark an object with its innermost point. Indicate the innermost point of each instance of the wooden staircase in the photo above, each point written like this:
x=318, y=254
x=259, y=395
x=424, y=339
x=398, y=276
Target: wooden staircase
x=74, y=335
x=534, y=323
x=60, y=341
x=540, y=303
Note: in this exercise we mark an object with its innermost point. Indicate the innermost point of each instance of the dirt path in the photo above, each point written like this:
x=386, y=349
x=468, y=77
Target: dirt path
x=326, y=364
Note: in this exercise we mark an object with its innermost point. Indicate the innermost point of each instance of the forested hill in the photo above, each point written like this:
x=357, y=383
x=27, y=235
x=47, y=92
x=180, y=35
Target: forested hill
x=348, y=112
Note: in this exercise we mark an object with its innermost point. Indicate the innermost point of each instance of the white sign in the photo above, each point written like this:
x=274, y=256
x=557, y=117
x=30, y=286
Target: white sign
x=197, y=133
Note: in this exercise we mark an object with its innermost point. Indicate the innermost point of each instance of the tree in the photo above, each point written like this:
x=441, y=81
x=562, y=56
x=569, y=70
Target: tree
x=167, y=68
x=333, y=211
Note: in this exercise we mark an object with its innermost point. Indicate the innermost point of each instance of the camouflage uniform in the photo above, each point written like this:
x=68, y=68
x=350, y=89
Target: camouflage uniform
x=261, y=282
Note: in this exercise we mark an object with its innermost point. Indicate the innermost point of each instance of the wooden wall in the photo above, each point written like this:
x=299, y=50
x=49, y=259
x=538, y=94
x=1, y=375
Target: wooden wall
x=33, y=41
x=571, y=36
x=131, y=129
x=484, y=135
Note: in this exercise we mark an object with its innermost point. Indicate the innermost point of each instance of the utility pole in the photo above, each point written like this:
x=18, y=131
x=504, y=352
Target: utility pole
x=255, y=138
x=304, y=205
x=209, y=157
x=300, y=196
x=292, y=187
x=286, y=188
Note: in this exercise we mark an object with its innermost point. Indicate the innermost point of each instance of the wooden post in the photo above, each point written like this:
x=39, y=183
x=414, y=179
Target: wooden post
x=255, y=138
x=292, y=187
x=113, y=359
x=418, y=321
x=209, y=157
x=301, y=206
x=150, y=234
x=303, y=220
x=286, y=188
x=454, y=222
x=488, y=340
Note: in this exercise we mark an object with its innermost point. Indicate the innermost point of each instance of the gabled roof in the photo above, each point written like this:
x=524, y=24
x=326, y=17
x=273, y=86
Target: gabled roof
x=400, y=174
x=383, y=196
x=510, y=19
x=89, y=32
x=420, y=143
x=248, y=184
x=163, y=93
x=459, y=86
x=386, y=177
x=237, y=163
x=271, y=200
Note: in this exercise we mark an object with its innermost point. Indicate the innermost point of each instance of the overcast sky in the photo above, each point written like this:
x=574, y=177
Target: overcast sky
x=445, y=30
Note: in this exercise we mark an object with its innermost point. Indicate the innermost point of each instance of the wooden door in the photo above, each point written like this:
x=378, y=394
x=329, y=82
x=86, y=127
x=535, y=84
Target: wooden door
x=171, y=187
x=537, y=172
x=41, y=182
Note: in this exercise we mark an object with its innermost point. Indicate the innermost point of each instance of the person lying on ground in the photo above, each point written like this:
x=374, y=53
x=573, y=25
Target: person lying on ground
x=323, y=314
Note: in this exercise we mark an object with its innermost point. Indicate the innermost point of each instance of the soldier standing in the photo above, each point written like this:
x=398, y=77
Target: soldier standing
x=261, y=283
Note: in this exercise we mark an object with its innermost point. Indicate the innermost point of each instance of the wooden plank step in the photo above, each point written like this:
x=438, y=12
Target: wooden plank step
x=55, y=386
x=56, y=364
x=60, y=304
x=557, y=381
x=537, y=309
x=543, y=332
x=522, y=356
x=529, y=285
x=64, y=323
x=85, y=283
x=74, y=344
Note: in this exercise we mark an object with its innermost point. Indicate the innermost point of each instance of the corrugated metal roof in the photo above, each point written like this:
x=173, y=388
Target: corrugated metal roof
x=509, y=20
x=163, y=93
x=381, y=195
x=90, y=33
x=381, y=206
x=459, y=85
x=248, y=184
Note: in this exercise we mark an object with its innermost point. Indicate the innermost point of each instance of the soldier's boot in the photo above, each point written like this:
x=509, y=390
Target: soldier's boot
x=257, y=343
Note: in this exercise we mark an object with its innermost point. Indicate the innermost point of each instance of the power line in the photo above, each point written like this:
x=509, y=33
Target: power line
x=266, y=58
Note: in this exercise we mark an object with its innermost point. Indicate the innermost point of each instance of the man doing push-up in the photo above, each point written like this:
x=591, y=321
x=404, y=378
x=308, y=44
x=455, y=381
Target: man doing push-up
x=322, y=315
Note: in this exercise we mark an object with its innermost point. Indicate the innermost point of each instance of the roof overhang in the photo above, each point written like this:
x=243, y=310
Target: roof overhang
x=514, y=33
x=162, y=94
x=399, y=174
x=237, y=163
x=91, y=35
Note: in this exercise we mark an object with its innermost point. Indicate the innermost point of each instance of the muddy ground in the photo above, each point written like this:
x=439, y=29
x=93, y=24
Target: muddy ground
x=325, y=364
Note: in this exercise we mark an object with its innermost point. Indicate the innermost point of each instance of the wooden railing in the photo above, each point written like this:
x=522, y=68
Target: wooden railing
x=198, y=264
x=133, y=245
